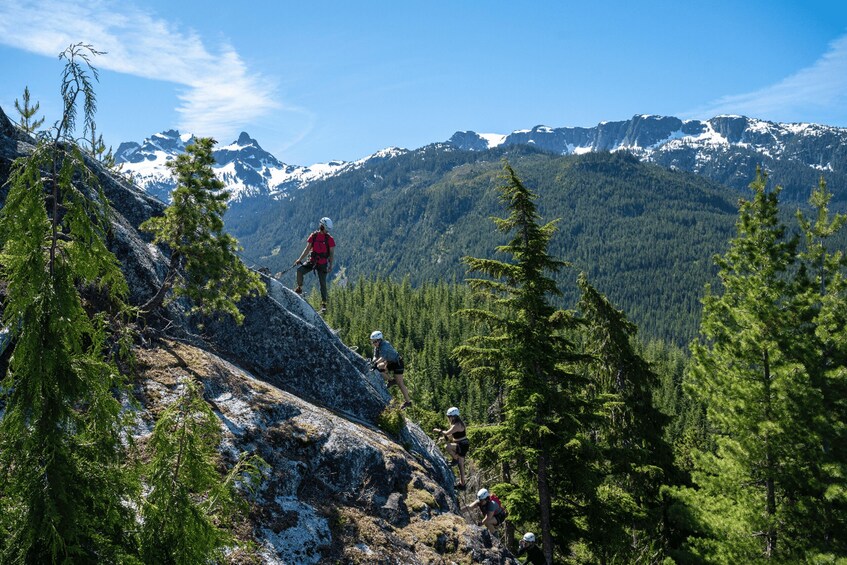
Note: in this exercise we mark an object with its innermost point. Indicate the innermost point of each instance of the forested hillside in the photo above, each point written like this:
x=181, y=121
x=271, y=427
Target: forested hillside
x=644, y=235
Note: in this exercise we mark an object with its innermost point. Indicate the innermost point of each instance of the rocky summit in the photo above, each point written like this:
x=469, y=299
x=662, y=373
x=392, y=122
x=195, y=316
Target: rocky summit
x=285, y=387
x=247, y=170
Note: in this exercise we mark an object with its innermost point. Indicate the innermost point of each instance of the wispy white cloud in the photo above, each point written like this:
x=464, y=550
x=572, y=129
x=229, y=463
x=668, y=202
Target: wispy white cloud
x=817, y=90
x=218, y=93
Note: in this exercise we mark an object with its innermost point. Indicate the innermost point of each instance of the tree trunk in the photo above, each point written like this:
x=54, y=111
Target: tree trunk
x=545, y=503
x=506, y=477
x=156, y=301
x=509, y=527
x=770, y=465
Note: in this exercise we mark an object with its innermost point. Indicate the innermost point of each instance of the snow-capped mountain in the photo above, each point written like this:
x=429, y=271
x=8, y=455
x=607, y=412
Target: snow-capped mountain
x=724, y=148
x=145, y=163
x=245, y=168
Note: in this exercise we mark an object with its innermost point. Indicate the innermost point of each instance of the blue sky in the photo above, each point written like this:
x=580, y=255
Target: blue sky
x=316, y=81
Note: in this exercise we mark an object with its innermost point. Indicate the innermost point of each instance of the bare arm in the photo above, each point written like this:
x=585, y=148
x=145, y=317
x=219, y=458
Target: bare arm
x=472, y=504
x=306, y=251
x=447, y=433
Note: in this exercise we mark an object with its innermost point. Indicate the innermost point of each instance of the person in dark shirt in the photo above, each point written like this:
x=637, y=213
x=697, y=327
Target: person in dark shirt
x=534, y=554
x=492, y=513
x=457, y=442
x=389, y=363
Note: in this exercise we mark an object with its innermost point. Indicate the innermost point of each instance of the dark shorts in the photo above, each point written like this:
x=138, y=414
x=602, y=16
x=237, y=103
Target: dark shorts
x=309, y=267
x=395, y=367
x=462, y=447
x=499, y=516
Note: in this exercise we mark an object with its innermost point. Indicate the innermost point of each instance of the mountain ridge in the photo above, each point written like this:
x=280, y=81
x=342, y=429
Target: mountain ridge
x=727, y=149
x=724, y=148
x=245, y=168
x=641, y=232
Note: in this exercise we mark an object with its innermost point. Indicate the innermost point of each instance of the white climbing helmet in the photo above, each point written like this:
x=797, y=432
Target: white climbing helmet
x=326, y=222
x=452, y=411
x=482, y=494
x=375, y=335
x=529, y=537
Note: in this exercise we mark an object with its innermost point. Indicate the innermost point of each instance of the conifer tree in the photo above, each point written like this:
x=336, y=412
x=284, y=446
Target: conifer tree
x=820, y=341
x=755, y=495
x=204, y=266
x=625, y=519
x=27, y=113
x=527, y=346
x=185, y=514
x=64, y=490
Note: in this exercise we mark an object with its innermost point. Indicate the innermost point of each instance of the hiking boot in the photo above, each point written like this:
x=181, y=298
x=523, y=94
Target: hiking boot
x=298, y=290
x=406, y=405
x=323, y=308
x=453, y=463
x=460, y=486
x=486, y=537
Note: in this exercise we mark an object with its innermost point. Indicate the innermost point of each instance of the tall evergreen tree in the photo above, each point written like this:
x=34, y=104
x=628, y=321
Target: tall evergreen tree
x=526, y=345
x=755, y=495
x=624, y=521
x=64, y=489
x=820, y=341
x=27, y=113
x=204, y=265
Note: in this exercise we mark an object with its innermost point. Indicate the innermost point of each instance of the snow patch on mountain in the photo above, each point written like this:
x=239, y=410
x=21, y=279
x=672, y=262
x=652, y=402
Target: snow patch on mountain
x=669, y=141
x=247, y=170
x=493, y=139
x=708, y=147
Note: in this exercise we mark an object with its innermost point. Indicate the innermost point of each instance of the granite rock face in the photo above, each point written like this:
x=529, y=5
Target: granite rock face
x=286, y=343
x=338, y=491
x=287, y=388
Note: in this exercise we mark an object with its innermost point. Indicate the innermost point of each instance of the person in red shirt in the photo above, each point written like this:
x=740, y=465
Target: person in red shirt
x=320, y=248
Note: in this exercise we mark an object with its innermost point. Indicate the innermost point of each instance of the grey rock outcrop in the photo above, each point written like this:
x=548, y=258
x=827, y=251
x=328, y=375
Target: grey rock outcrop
x=286, y=343
x=7, y=130
x=10, y=138
x=339, y=490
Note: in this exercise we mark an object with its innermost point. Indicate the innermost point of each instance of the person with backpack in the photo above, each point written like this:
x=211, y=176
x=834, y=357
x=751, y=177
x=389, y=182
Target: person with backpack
x=457, y=442
x=320, y=247
x=493, y=513
x=534, y=554
x=386, y=360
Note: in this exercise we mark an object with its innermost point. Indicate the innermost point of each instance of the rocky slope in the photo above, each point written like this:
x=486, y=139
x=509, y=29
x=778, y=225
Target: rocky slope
x=285, y=387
